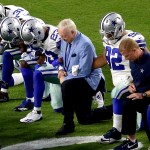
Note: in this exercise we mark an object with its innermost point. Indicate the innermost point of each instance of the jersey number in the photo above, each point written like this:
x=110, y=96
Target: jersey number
x=114, y=58
x=54, y=35
x=17, y=12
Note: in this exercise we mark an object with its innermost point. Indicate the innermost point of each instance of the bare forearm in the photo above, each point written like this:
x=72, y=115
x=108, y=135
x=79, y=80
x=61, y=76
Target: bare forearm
x=99, y=62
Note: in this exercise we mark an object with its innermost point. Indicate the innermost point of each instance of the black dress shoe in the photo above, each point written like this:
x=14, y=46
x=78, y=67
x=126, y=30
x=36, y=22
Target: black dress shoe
x=4, y=97
x=65, y=129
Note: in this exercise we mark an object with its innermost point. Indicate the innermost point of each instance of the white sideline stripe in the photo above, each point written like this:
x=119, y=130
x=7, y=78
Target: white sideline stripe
x=56, y=142
x=52, y=142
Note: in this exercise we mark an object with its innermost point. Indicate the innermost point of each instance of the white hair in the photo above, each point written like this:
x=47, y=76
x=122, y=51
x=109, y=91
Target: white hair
x=67, y=24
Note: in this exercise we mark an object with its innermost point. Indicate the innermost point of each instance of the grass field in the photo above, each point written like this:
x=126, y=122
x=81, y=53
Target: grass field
x=86, y=14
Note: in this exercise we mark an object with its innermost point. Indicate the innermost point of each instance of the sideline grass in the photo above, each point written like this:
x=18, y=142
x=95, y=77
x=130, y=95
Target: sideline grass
x=86, y=14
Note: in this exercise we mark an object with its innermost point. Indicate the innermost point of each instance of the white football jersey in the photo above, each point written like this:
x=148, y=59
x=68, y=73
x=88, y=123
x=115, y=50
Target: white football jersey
x=15, y=11
x=52, y=43
x=119, y=67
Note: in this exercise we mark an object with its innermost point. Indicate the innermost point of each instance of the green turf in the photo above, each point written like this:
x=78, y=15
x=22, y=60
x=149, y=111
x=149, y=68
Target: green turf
x=86, y=14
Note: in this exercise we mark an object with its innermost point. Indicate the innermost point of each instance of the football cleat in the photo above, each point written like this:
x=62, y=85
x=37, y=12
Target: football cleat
x=4, y=97
x=127, y=145
x=111, y=136
x=32, y=117
x=26, y=105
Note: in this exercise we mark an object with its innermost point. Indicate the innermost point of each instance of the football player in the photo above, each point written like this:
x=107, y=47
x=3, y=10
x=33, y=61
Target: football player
x=39, y=66
x=12, y=46
x=12, y=11
x=17, y=12
x=112, y=29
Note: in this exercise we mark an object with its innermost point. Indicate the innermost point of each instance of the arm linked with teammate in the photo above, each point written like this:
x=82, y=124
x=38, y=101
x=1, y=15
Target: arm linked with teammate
x=100, y=61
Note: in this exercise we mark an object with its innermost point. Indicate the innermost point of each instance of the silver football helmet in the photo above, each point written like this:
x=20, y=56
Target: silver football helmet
x=112, y=27
x=10, y=29
x=32, y=32
x=2, y=12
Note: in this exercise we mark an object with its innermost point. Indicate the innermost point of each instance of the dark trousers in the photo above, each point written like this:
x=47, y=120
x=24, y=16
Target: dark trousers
x=77, y=98
x=130, y=107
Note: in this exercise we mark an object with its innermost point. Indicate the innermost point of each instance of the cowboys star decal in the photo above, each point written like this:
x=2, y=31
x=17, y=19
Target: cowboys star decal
x=10, y=31
x=114, y=23
x=31, y=29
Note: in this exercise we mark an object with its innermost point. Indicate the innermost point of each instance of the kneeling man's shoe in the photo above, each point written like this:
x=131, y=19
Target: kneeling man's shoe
x=4, y=97
x=65, y=129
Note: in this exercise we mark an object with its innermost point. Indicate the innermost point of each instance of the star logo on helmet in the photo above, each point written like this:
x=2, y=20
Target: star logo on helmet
x=9, y=31
x=31, y=29
x=114, y=23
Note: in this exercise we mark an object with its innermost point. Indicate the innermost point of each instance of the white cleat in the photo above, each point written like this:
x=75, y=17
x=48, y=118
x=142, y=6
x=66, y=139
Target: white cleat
x=32, y=117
